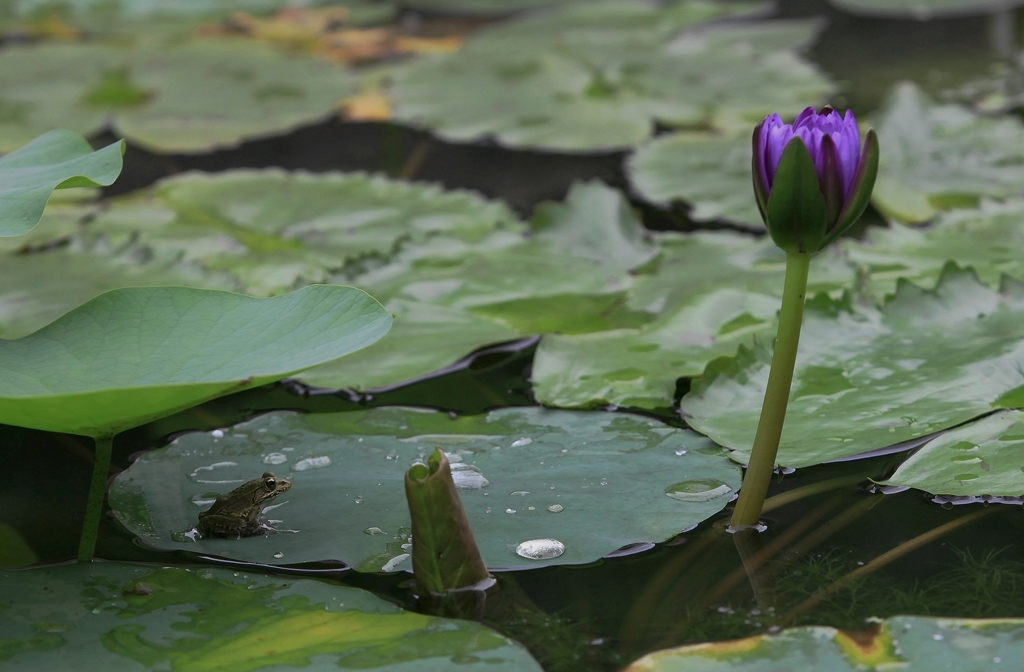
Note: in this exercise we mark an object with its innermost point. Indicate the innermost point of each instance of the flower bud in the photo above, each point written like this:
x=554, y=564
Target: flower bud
x=812, y=178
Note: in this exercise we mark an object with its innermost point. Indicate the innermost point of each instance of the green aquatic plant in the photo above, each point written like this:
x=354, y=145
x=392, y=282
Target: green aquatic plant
x=812, y=180
x=133, y=355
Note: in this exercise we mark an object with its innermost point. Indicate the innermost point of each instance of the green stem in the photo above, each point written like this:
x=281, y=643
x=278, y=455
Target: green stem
x=97, y=490
x=776, y=395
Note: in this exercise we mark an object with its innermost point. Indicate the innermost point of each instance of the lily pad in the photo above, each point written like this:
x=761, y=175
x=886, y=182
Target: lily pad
x=984, y=457
x=108, y=616
x=569, y=276
x=54, y=160
x=598, y=76
x=276, y=231
x=988, y=239
x=711, y=173
x=710, y=291
x=190, y=95
x=924, y=9
x=939, y=156
x=593, y=482
x=135, y=354
x=482, y=7
x=39, y=287
x=908, y=643
x=867, y=378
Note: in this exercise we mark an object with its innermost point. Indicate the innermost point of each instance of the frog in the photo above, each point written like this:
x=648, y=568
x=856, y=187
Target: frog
x=237, y=513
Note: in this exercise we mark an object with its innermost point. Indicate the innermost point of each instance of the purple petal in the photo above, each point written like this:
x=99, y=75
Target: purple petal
x=760, y=141
x=812, y=127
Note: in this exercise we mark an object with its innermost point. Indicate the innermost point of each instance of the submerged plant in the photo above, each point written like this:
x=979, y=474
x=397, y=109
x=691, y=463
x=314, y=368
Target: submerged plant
x=812, y=180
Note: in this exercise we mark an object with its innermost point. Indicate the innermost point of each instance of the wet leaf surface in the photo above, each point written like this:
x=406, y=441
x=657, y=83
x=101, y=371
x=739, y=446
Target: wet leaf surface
x=987, y=239
x=984, y=457
x=593, y=483
x=939, y=156
x=104, y=616
x=912, y=643
x=711, y=292
x=867, y=378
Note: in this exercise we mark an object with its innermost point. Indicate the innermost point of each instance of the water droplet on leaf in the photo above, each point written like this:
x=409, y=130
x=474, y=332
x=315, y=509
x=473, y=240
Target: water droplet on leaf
x=540, y=549
x=312, y=462
x=698, y=490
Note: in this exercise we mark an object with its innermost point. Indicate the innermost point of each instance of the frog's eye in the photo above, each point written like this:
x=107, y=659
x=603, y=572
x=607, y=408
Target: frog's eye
x=269, y=483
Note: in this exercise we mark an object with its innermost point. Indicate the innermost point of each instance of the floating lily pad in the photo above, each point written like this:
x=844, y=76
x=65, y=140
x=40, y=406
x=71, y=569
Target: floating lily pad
x=989, y=239
x=276, y=231
x=984, y=457
x=868, y=378
x=710, y=291
x=924, y=9
x=940, y=156
x=569, y=276
x=54, y=160
x=910, y=643
x=481, y=7
x=136, y=354
x=109, y=616
x=593, y=482
x=710, y=173
x=454, y=267
x=423, y=339
x=187, y=96
x=39, y=287
x=599, y=76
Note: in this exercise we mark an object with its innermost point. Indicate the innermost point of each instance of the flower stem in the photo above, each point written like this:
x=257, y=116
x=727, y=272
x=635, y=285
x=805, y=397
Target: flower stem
x=97, y=490
x=776, y=395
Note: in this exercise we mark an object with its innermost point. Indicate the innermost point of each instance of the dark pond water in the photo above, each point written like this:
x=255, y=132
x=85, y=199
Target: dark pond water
x=692, y=588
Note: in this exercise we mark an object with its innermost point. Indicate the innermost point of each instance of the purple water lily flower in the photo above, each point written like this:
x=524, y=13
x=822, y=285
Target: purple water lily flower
x=812, y=178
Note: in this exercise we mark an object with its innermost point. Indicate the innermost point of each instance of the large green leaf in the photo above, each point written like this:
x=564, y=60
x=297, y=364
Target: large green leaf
x=107, y=616
x=54, y=160
x=136, y=354
x=276, y=231
x=710, y=292
x=989, y=239
x=868, y=378
x=984, y=457
x=937, y=156
x=592, y=481
x=182, y=96
x=924, y=9
x=598, y=76
x=906, y=643
x=711, y=173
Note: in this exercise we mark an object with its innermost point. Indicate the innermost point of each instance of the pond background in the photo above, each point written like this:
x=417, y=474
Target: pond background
x=602, y=615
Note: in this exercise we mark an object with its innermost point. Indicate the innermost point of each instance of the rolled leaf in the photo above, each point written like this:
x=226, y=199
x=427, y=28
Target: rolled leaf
x=444, y=553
